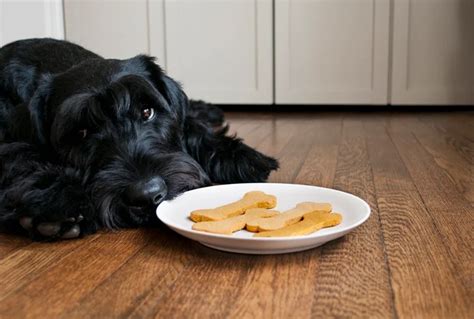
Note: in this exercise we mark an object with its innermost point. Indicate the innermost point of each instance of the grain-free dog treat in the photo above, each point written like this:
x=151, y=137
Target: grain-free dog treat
x=233, y=224
x=287, y=218
x=311, y=222
x=255, y=199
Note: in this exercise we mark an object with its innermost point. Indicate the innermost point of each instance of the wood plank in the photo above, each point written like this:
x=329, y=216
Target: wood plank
x=211, y=281
x=448, y=126
x=353, y=276
x=295, y=151
x=456, y=161
x=28, y=263
x=423, y=275
x=457, y=143
x=284, y=128
x=142, y=280
x=60, y=288
x=458, y=124
x=10, y=243
x=244, y=128
x=256, y=136
x=259, y=135
x=277, y=287
x=320, y=163
x=236, y=120
x=450, y=211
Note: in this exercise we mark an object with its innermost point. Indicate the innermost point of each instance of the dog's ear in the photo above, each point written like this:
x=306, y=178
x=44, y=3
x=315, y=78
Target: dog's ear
x=169, y=88
x=175, y=95
x=37, y=108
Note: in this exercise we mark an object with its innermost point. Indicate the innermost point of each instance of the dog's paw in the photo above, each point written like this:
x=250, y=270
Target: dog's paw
x=66, y=229
x=207, y=113
x=254, y=166
x=53, y=221
x=53, y=205
x=243, y=164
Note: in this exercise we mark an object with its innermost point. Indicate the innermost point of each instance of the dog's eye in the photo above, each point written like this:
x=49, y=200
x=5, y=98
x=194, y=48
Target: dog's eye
x=148, y=113
x=82, y=133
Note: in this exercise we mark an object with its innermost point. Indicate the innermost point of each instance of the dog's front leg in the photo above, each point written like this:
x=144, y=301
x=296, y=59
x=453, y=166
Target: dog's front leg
x=225, y=159
x=41, y=199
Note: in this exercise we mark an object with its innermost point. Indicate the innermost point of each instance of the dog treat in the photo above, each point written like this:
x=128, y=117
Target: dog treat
x=311, y=222
x=255, y=199
x=233, y=224
x=287, y=218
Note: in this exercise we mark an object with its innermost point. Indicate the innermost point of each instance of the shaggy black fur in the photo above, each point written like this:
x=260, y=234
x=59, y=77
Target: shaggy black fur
x=88, y=142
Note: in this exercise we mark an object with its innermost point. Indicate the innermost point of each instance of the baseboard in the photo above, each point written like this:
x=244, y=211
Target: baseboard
x=343, y=108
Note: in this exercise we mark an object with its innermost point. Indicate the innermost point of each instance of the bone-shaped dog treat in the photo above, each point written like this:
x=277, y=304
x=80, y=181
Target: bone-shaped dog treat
x=233, y=224
x=311, y=222
x=287, y=218
x=253, y=199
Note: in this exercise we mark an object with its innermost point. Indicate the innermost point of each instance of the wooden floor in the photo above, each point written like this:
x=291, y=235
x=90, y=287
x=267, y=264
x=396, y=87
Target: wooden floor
x=412, y=259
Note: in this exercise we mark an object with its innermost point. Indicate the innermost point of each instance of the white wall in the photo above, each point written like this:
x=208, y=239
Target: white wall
x=20, y=19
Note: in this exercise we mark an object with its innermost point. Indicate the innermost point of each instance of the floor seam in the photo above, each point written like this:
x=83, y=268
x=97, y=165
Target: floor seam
x=379, y=218
x=303, y=158
x=341, y=131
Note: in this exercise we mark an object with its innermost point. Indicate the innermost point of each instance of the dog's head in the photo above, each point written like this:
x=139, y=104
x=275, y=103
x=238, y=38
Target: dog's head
x=121, y=123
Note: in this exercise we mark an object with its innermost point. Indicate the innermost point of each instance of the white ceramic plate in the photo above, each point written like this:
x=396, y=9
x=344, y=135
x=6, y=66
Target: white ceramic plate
x=175, y=214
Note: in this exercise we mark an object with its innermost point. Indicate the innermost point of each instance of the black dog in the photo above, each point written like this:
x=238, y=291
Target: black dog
x=87, y=142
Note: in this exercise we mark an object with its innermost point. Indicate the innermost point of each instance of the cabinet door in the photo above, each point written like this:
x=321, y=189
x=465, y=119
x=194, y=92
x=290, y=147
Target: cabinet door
x=113, y=29
x=220, y=50
x=433, y=52
x=331, y=51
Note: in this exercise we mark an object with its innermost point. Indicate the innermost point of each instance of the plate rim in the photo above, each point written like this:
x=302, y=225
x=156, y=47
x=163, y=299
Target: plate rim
x=275, y=239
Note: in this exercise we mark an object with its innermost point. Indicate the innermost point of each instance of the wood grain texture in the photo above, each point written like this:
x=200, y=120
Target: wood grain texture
x=459, y=123
x=10, y=243
x=319, y=167
x=412, y=259
x=454, y=157
x=59, y=288
x=137, y=286
x=352, y=282
x=24, y=265
x=450, y=211
x=424, y=278
x=460, y=140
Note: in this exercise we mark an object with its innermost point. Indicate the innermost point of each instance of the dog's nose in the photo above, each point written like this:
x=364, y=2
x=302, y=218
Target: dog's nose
x=143, y=194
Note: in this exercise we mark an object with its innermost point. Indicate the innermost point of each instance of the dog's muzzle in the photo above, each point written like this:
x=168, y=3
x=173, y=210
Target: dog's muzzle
x=146, y=193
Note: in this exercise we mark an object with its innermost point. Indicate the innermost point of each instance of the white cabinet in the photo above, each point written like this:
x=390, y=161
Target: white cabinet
x=326, y=51
x=113, y=29
x=221, y=50
x=433, y=52
x=331, y=51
